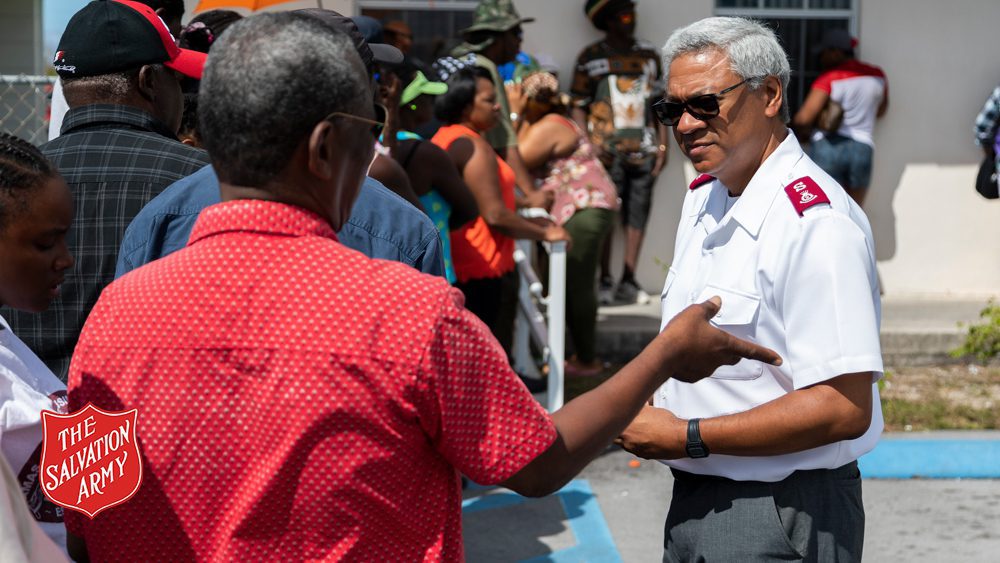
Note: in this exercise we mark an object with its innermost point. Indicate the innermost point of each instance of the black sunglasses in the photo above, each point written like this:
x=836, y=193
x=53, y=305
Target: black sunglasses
x=702, y=107
x=377, y=124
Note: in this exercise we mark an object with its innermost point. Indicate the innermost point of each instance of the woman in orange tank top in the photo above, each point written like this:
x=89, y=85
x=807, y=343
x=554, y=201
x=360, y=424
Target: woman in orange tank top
x=483, y=250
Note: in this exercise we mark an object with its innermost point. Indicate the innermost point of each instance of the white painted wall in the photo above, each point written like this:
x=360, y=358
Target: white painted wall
x=934, y=235
x=21, y=37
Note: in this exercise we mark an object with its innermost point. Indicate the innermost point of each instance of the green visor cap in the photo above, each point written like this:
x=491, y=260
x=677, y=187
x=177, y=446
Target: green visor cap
x=419, y=86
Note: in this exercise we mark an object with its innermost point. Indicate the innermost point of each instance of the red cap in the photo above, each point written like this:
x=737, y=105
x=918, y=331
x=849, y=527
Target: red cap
x=185, y=61
x=107, y=37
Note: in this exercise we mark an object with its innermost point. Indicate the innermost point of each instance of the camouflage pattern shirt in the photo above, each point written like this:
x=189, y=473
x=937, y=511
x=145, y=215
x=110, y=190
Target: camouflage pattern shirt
x=617, y=88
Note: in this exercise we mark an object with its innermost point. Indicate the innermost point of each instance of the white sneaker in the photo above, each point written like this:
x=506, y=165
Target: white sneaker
x=642, y=298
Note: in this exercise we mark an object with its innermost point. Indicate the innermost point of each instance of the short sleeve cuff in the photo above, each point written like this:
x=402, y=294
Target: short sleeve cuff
x=520, y=454
x=835, y=368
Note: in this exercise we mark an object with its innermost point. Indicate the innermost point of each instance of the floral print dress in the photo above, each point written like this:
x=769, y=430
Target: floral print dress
x=578, y=181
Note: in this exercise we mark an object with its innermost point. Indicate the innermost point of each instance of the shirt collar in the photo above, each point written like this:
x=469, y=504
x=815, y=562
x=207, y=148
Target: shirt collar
x=773, y=174
x=259, y=216
x=95, y=115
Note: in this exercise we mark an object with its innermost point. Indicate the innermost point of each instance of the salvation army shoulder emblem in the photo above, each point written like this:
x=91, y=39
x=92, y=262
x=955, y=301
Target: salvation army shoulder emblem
x=90, y=459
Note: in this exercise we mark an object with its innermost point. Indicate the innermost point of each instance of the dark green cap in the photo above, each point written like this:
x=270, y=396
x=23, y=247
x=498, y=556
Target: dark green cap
x=495, y=15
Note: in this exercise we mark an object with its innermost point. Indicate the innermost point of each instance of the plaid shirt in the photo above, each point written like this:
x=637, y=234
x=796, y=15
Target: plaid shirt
x=986, y=121
x=115, y=159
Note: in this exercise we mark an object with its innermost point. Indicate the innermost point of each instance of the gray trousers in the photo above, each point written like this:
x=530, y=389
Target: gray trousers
x=812, y=515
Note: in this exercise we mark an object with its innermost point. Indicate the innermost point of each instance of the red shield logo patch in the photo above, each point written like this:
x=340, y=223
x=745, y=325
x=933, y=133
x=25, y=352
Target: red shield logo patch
x=90, y=459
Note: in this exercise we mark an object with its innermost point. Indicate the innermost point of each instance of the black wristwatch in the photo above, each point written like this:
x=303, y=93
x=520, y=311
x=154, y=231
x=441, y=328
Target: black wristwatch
x=695, y=448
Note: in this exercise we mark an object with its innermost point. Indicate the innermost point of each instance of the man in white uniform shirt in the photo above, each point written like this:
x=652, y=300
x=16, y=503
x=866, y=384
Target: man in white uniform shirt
x=764, y=457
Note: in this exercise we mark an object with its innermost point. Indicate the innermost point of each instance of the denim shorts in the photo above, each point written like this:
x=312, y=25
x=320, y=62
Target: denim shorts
x=635, y=182
x=847, y=160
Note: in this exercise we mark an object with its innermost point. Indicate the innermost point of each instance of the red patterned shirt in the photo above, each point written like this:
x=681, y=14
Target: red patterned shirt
x=296, y=399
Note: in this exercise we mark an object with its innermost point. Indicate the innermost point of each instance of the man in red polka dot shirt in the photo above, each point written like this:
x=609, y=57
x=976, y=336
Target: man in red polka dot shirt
x=298, y=400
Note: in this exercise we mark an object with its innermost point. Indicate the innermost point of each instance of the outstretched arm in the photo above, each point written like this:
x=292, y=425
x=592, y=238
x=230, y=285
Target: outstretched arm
x=688, y=349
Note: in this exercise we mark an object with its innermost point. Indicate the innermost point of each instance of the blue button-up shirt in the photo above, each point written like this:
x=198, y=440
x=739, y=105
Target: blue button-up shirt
x=381, y=225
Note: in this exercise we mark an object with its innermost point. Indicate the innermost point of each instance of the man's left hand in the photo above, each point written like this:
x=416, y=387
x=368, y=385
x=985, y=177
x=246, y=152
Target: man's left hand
x=661, y=162
x=655, y=434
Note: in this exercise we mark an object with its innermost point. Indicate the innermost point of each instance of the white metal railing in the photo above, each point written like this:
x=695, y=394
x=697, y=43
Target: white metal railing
x=547, y=330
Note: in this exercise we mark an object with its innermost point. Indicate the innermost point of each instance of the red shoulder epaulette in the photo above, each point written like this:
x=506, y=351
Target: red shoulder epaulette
x=805, y=193
x=700, y=181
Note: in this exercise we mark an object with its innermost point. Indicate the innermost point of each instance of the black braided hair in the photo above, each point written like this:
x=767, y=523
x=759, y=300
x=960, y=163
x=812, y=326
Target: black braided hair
x=23, y=168
x=199, y=34
x=205, y=28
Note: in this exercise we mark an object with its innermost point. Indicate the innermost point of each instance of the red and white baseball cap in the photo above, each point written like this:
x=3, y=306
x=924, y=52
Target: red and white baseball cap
x=108, y=36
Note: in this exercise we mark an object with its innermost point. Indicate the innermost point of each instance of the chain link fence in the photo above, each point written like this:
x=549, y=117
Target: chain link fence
x=24, y=106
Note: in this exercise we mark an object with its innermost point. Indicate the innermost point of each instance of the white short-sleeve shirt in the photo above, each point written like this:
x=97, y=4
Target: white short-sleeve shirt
x=803, y=285
x=27, y=388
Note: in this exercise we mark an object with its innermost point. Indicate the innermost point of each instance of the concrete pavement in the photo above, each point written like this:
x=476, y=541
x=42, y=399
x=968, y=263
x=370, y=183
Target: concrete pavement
x=927, y=520
x=615, y=512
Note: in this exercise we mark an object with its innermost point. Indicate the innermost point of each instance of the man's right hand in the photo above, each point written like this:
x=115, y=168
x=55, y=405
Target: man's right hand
x=695, y=348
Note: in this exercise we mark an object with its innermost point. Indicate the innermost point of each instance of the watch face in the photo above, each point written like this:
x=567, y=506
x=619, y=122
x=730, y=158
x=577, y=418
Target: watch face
x=697, y=451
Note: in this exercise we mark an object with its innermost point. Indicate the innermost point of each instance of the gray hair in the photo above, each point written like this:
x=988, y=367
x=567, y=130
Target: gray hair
x=753, y=50
x=112, y=88
x=269, y=80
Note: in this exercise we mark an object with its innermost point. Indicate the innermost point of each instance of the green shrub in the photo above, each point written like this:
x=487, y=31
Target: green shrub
x=983, y=339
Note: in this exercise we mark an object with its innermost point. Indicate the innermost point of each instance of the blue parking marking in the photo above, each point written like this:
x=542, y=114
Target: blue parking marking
x=933, y=459
x=583, y=514
x=489, y=502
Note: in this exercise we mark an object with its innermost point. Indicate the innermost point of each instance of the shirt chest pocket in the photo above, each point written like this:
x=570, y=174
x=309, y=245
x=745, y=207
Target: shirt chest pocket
x=738, y=316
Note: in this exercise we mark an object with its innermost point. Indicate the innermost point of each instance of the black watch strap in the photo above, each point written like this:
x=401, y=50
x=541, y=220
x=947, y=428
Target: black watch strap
x=695, y=448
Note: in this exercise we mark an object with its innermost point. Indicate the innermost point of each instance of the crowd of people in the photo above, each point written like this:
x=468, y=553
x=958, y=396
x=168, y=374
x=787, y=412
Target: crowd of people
x=290, y=246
